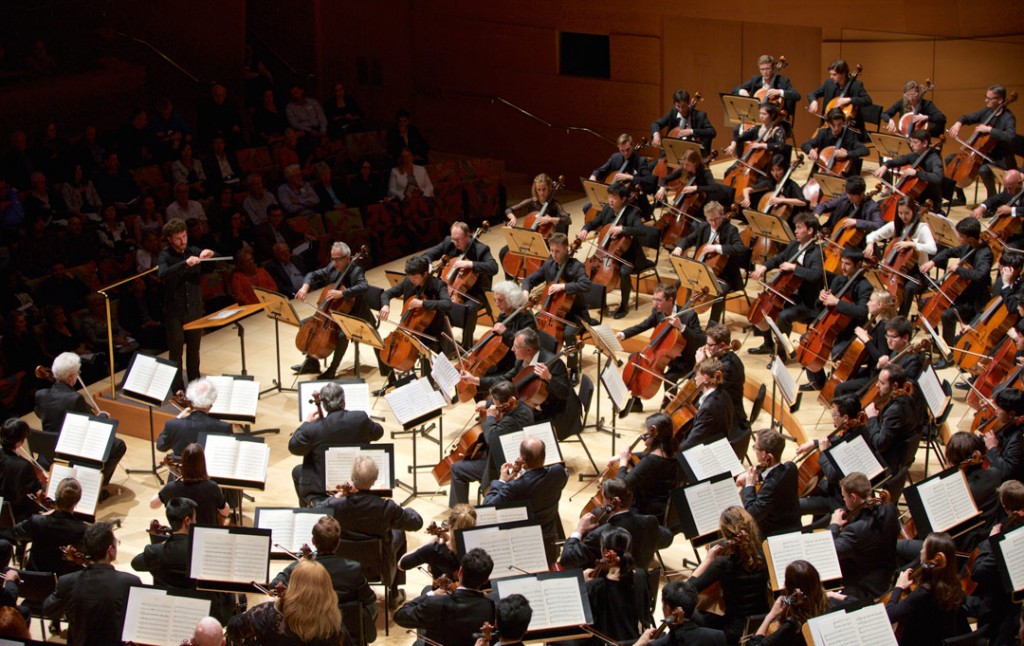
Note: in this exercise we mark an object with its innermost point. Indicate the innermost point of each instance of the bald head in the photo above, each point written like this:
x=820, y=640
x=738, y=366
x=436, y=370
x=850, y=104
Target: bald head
x=1012, y=180
x=533, y=452
x=208, y=633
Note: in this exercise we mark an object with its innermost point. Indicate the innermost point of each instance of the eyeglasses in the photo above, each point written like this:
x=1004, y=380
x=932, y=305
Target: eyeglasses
x=338, y=258
x=991, y=98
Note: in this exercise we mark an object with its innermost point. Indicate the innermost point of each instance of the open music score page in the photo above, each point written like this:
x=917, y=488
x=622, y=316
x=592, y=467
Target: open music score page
x=156, y=618
x=231, y=458
x=338, y=461
x=414, y=400
x=510, y=442
x=854, y=455
x=288, y=527
x=556, y=601
x=947, y=500
x=85, y=436
x=218, y=554
x=90, y=479
x=357, y=396
x=149, y=378
x=491, y=515
x=708, y=460
x=522, y=547
x=236, y=398
x=817, y=548
x=445, y=375
x=707, y=500
x=1011, y=550
x=868, y=626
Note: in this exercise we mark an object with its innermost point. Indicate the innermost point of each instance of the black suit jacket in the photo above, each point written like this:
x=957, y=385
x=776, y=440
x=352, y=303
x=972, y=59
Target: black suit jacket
x=435, y=297
x=312, y=439
x=93, y=600
x=868, y=216
x=732, y=246
x=183, y=298
x=809, y=269
x=648, y=536
x=890, y=433
x=179, y=433
x=451, y=619
x=48, y=534
x=778, y=82
x=713, y=420
x=562, y=407
x=576, y=280
x=215, y=178
x=692, y=635
x=858, y=96
x=54, y=402
x=366, y=515
x=17, y=481
x=354, y=283
x=776, y=506
x=483, y=262
x=866, y=547
x=697, y=120
x=734, y=376
x=543, y=488
x=515, y=420
x=167, y=562
x=936, y=119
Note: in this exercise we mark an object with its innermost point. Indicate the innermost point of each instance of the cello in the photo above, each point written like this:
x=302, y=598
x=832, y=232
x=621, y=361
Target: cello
x=531, y=389
x=911, y=187
x=816, y=344
x=399, y=352
x=843, y=238
x=945, y=294
x=828, y=163
x=990, y=325
x=555, y=307
x=906, y=123
x=485, y=354
x=897, y=263
x=964, y=166
x=318, y=335
x=460, y=281
x=761, y=94
x=809, y=473
x=752, y=162
x=1002, y=367
x=603, y=265
x=770, y=302
x=674, y=222
x=849, y=110
x=467, y=446
x=661, y=168
x=517, y=264
x=763, y=248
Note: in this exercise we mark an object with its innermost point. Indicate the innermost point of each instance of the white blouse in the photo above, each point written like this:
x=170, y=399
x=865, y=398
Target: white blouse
x=923, y=240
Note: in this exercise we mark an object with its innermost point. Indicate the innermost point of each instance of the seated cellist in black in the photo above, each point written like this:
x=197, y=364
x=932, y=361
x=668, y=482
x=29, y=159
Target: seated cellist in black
x=835, y=133
x=928, y=169
x=791, y=194
x=717, y=236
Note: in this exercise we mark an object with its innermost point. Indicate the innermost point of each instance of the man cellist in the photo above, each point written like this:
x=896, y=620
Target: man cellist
x=839, y=86
x=692, y=123
x=1002, y=128
x=716, y=234
x=929, y=169
x=836, y=134
x=778, y=87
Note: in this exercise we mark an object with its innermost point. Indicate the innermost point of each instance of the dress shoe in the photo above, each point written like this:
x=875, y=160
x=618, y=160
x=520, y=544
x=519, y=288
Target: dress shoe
x=941, y=364
x=397, y=599
x=380, y=392
x=621, y=313
x=633, y=406
x=309, y=367
x=809, y=388
x=327, y=374
x=763, y=349
x=962, y=385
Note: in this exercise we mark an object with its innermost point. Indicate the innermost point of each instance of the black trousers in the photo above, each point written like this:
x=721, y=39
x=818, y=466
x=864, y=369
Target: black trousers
x=179, y=340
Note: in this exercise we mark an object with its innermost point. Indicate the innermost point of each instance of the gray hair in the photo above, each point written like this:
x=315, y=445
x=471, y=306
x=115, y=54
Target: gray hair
x=201, y=393
x=342, y=247
x=512, y=292
x=364, y=472
x=66, y=366
x=332, y=396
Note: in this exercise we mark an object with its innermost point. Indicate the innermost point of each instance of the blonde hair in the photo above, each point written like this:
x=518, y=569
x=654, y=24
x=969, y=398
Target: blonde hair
x=736, y=523
x=310, y=607
x=543, y=178
x=462, y=516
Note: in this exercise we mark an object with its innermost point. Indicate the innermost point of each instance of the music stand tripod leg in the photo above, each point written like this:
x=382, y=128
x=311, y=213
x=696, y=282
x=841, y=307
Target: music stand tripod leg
x=414, y=488
x=277, y=386
x=152, y=451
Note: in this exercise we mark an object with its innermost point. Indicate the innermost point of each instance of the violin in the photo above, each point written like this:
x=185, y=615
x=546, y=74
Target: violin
x=156, y=529
x=440, y=531
x=907, y=186
x=487, y=633
x=938, y=562
x=318, y=335
x=987, y=328
x=675, y=221
x=315, y=400
x=682, y=408
x=485, y=354
x=399, y=352
x=173, y=465
x=519, y=265
x=345, y=489
x=609, y=559
x=516, y=468
x=816, y=344
x=762, y=94
x=598, y=500
x=40, y=498
x=674, y=618
x=871, y=395
x=871, y=503
x=906, y=123
x=603, y=264
x=556, y=307
x=44, y=373
x=75, y=555
x=849, y=110
x=276, y=591
x=460, y=281
x=445, y=584
x=809, y=473
x=180, y=400
x=964, y=167
x=898, y=263
x=531, y=389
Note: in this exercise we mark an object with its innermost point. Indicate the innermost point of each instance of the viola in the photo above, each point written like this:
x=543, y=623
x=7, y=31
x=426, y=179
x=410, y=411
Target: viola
x=675, y=221
x=644, y=370
x=460, y=281
x=761, y=94
x=849, y=110
x=531, y=389
x=556, y=307
x=173, y=465
x=907, y=186
x=906, y=123
x=40, y=498
x=516, y=468
x=809, y=472
x=930, y=565
x=770, y=302
x=440, y=531
x=682, y=408
x=520, y=265
x=603, y=264
x=75, y=555
x=898, y=263
x=318, y=335
x=156, y=529
x=675, y=618
x=277, y=591
x=987, y=328
x=609, y=559
x=816, y=344
x=965, y=165
x=399, y=351
x=485, y=354
x=445, y=584
x=882, y=498
x=752, y=163
x=872, y=396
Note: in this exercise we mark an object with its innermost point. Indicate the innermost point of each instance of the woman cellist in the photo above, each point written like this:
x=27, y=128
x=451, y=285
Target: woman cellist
x=931, y=610
x=912, y=244
x=695, y=185
x=656, y=472
x=615, y=257
x=756, y=146
x=716, y=242
x=789, y=194
x=855, y=366
x=916, y=112
x=549, y=216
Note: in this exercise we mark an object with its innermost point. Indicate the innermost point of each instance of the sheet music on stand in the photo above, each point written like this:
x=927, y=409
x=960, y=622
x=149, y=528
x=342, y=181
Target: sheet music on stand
x=148, y=379
x=705, y=461
x=941, y=503
x=505, y=512
x=277, y=306
x=357, y=395
x=851, y=453
x=445, y=375
x=290, y=527
x=604, y=339
x=415, y=402
x=785, y=381
x=596, y=192
x=236, y=399
x=519, y=544
x=699, y=506
x=236, y=461
x=937, y=339
x=943, y=229
x=338, y=461
x=509, y=444
x=156, y=617
x=931, y=390
x=616, y=387
x=85, y=437
x=1009, y=551
x=867, y=626
x=91, y=480
x=228, y=559
x=818, y=548
x=559, y=601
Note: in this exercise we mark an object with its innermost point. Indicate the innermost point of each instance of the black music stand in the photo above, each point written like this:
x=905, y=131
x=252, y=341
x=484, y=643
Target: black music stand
x=279, y=308
x=358, y=331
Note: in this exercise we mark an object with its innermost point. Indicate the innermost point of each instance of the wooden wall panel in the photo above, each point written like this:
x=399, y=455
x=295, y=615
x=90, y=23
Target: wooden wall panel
x=801, y=47
x=635, y=59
